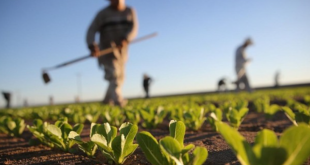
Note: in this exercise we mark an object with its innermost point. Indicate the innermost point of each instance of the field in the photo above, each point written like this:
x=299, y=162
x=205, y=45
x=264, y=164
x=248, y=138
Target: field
x=206, y=118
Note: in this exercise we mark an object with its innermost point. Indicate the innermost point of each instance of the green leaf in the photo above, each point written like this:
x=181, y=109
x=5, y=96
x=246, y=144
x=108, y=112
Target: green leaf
x=242, y=113
x=78, y=128
x=177, y=131
x=302, y=118
x=11, y=125
x=296, y=141
x=122, y=144
x=290, y=114
x=218, y=113
x=37, y=122
x=237, y=143
x=65, y=129
x=266, y=148
x=75, y=136
x=54, y=130
x=266, y=138
x=200, y=155
x=101, y=142
x=187, y=148
x=89, y=148
x=171, y=148
x=150, y=148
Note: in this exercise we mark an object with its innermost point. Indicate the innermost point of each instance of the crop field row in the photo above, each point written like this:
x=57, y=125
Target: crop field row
x=267, y=127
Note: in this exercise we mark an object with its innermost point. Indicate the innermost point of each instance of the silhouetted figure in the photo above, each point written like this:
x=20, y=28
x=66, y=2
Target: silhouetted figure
x=51, y=100
x=146, y=85
x=117, y=25
x=241, y=62
x=7, y=98
x=276, y=79
x=221, y=85
x=25, y=103
x=77, y=99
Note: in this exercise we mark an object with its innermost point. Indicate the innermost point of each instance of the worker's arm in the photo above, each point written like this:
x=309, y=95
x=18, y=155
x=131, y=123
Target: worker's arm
x=90, y=38
x=132, y=32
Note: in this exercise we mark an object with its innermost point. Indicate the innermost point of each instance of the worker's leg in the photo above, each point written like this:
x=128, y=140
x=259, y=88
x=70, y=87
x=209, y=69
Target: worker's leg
x=238, y=85
x=109, y=76
x=246, y=83
x=119, y=81
x=240, y=75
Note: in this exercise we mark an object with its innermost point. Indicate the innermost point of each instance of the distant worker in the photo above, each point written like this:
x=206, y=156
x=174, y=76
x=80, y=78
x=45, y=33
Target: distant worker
x=146, y=85
x=221, y=85
x=117, y=25
x=241, y=62
x=7, y=98
x=276, y=79
x=51, y=100
x=25, y=103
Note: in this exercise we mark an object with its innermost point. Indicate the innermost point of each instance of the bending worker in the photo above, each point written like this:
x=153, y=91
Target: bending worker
x=117, y=25
x=241, y=62
x=146, y=85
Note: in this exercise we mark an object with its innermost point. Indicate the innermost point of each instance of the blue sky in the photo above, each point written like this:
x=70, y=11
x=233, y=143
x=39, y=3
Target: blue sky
x=194, y=49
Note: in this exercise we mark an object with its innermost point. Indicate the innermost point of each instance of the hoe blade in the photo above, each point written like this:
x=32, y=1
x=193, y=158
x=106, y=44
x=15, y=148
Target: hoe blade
x=46, y=78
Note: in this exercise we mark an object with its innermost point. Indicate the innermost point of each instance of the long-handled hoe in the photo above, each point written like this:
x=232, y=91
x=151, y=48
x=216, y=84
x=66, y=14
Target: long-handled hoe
x=47, y=78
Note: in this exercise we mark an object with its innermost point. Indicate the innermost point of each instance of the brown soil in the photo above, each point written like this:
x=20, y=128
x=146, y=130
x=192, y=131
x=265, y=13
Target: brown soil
x=18, y=151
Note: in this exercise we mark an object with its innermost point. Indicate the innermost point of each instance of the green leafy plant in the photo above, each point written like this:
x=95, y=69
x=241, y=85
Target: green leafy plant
x=152, y=116
x=216, y=115
x=114, y=116
x=132, y=116
x=170, y=149
x=57, y=133
x=12, y=127
x=113, y=147
x=92, y=117
x=194, y=118
x=292, y=148
x=89, y=147
x=39, y=130
x=263, y=105
x=235, y=117
x=302, y=115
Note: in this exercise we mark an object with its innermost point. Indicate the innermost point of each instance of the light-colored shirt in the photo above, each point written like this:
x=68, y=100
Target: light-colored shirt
x=241, y=61
x=113, y=25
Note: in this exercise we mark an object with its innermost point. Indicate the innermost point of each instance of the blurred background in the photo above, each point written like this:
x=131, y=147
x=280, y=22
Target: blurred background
x=195, y=47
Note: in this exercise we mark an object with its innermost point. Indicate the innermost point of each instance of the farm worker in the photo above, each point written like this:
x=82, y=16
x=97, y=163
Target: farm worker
x=7, y=98
x=117, y=25
x=221, y=85
x=276, y=79
x=146, y=85
x=241, y=62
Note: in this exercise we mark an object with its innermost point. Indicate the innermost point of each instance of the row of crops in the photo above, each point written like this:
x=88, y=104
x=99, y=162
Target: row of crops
x=225, y=113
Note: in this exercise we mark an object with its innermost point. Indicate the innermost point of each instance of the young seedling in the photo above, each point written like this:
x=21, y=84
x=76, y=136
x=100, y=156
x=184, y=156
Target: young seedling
x=235, y=117
x=170, y=149
x=113, y=147
x=55, y=134
x=12, y=127
x=89, y=148
x=216, y=115
x=292, y=148
x=114, y=116
x=263, y=105
x=152, y=116
x=39, y=130
x=298, y=117
x=194, y=118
